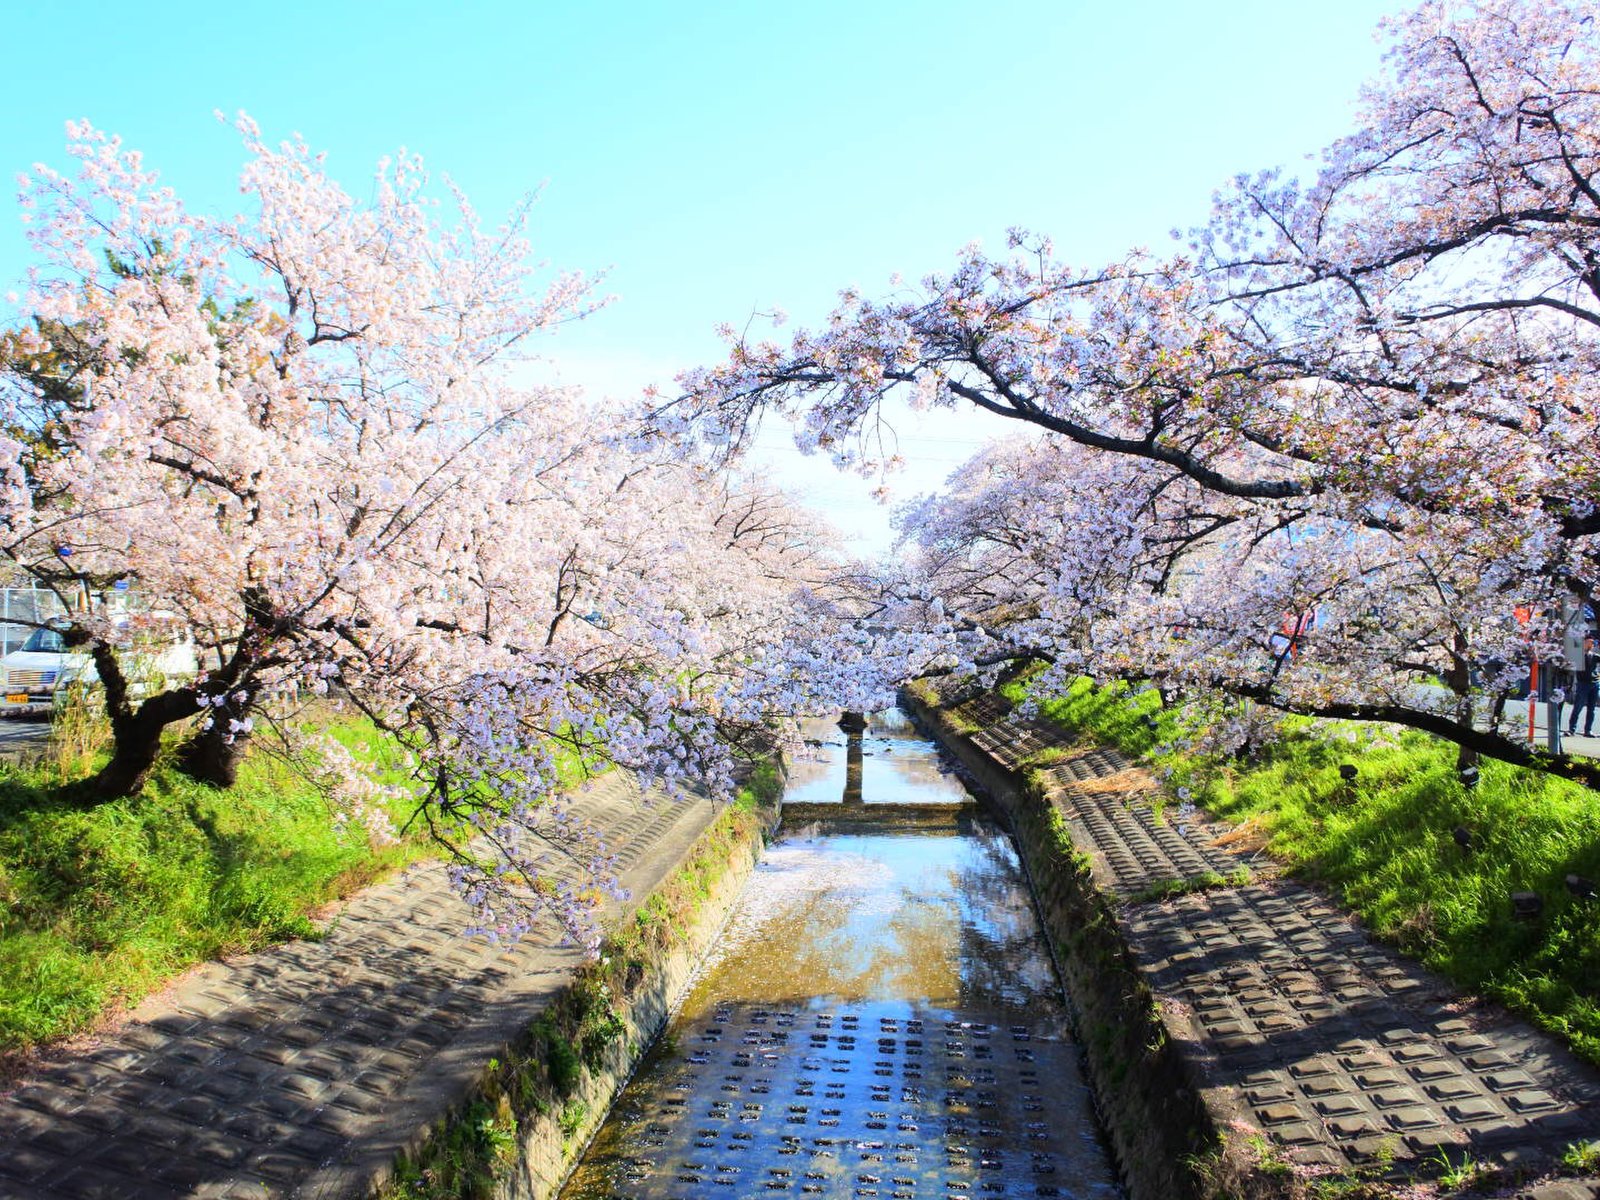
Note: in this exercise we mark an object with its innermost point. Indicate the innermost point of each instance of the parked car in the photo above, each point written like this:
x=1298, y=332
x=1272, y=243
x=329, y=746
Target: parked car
x=34, y=676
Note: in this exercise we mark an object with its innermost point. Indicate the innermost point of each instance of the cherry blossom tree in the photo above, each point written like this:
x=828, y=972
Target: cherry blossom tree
x=1361, y=402
x=1121, y=568
x=671, y=613
x=267, y=415
x=298, y=436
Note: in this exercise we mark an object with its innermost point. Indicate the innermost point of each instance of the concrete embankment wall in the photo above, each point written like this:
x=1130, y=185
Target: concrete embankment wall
x=1154, y=1114
x=544, y=1097
x=551, y=1143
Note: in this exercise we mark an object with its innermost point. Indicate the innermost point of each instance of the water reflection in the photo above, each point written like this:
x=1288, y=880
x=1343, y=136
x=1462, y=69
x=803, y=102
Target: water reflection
x=934, y=917
x=878, y=1018
x=889, y=763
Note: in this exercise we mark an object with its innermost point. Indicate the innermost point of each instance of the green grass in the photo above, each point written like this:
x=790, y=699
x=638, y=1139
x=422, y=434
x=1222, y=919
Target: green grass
x=1582, y=1156
x=1383, y=841
x=99, y=907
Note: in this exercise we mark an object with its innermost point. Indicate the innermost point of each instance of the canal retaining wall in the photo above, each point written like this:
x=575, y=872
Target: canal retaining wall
x=1154, y=1113
x=546, y=1097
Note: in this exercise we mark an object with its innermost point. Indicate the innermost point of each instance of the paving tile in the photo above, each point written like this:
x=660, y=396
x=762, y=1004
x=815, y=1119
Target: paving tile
x=1409, y=1119
x=1304, y=1134
x=1497, y=1134
x=1570, y=1127
x=1526, y=1102
x=1356, y=1127
x=93, y=1183
x=1269, y=1094
x=1472, y=1109
x=1312, y=1068
x=1394, y=1098
x=1329, y=1084
x=1508, y=1081
x=1377, y=1077
x=51, y=1101
x=1338, y=1105
x=1363, y=1061
x=1450, y=1087
x=1432, y=1068
x=1426, y=1143
x=247, y=1054
x=344, y=1122
x=17, y=1190
x=1280, y=1114
x=69, y=1140
x=278, y=1166
x=23, y=1161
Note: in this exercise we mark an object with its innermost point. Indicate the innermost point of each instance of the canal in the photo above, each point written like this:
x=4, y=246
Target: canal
x=880, y=1017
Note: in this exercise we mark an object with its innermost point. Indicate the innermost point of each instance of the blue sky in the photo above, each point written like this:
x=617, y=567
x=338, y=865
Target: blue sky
x=720, y=159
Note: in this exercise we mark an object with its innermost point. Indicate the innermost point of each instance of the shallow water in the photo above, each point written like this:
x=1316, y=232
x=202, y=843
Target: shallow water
x=891, y=763
x=879, y=1019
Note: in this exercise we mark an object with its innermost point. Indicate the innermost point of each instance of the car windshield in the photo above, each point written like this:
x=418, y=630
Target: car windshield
x=44, y=641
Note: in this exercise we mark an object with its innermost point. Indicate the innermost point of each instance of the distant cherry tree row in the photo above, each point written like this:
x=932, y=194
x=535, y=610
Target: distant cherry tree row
x=1318, y=458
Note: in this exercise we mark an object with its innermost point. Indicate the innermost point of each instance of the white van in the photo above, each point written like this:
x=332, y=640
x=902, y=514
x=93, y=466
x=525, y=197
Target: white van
x=31, y=675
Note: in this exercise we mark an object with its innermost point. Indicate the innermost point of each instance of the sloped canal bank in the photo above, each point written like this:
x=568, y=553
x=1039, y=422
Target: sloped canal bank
x=880, y=1018
x=1245, y=1036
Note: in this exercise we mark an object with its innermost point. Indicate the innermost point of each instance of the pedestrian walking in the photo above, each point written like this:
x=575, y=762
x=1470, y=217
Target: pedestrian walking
x=1586, y=682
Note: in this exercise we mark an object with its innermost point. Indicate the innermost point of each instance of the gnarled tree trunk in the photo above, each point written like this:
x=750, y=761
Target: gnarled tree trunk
x=212, y=755
x=136, y=741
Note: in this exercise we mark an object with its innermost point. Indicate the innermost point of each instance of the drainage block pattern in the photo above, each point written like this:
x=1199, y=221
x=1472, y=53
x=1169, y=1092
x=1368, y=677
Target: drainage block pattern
x=1137, y=849
x=303, y=1068
x=880, y=1100
x=1342, y=1051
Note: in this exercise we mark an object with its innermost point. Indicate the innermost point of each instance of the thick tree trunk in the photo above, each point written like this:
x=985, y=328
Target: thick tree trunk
x=135, y=744
x=133, y=754
x=212, y=756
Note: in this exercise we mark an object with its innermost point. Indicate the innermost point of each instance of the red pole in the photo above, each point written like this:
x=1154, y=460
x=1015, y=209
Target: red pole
x=1524, y=614
x=1533, y=693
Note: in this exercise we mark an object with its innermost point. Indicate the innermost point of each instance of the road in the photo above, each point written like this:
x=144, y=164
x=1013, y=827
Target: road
x=21, y=734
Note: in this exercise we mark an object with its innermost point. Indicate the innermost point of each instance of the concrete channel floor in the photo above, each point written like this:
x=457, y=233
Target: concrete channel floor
x=1339, y=1050
x=301, y=1070
x=885, y=1100
x=883, y=1023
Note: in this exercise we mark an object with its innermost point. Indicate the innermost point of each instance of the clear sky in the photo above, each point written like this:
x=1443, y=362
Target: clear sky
x=719, y=159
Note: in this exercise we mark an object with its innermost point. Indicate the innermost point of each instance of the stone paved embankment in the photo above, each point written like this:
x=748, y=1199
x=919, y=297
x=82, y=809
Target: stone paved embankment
x=1341, y=1053
x=302, y=1070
